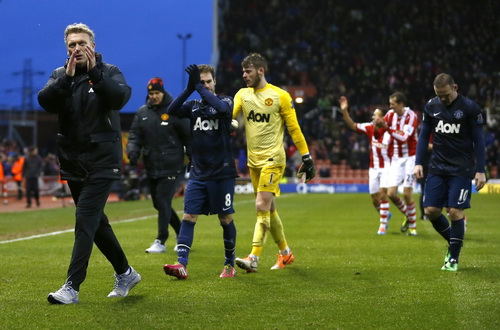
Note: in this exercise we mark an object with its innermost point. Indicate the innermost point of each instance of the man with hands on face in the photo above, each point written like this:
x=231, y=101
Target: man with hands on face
x=87, y=94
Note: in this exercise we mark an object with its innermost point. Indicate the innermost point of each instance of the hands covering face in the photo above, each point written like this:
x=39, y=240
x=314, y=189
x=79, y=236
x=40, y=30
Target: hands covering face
x=77, y=57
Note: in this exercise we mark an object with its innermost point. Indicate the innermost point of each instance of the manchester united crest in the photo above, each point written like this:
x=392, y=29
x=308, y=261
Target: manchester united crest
x=268, y=102
x=164, y=116
x=458, y=114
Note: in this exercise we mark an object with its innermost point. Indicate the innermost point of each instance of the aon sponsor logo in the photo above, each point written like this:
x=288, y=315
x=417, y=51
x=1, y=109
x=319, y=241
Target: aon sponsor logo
x=447, y=127
x=206, y=125
x=258, y=117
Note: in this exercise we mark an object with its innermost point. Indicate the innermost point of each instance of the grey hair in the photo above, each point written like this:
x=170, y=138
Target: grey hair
x=78, y=28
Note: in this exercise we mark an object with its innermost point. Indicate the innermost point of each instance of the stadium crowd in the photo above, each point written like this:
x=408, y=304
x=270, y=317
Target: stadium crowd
x=366, y=51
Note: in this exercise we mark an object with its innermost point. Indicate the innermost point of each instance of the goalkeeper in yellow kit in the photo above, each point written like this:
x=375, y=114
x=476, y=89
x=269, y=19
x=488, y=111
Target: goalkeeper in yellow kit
x=266, y=110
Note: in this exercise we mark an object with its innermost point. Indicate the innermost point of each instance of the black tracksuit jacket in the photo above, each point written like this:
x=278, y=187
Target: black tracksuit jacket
x=162, y=138
x=88, y=105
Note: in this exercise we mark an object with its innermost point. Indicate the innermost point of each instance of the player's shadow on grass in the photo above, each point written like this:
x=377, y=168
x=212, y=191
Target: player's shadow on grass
x=130, y=300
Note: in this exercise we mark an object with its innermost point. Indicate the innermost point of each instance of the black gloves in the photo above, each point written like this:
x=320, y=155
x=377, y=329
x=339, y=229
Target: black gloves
x=133, y=157
x=194, y=76
x=306, y=167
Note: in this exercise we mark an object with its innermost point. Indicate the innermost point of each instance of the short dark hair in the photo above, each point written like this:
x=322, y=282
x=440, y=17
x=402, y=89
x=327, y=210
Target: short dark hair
x=399, y=97
x=443, y=79
x=255, y=59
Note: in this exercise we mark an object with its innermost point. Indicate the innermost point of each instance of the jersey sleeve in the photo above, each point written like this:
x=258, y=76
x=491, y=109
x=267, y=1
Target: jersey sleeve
x=290, y=117
x=407, y=131
x=364, y=128
x=478, y=138
x=237, y=105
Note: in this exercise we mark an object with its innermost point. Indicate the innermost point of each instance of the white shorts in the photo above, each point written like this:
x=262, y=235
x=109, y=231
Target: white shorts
x=374, y=179
x=401, y=172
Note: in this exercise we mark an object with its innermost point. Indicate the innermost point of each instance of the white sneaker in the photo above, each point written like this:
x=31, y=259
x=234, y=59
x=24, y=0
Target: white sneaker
x=249, y=263
x=65, y=295
x=123, y=284
x=156, y=247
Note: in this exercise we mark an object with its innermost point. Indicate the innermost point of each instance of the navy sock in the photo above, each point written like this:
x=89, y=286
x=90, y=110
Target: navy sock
x=229, y=235
x=457, y=238
x=184, y=241
x=442, y=227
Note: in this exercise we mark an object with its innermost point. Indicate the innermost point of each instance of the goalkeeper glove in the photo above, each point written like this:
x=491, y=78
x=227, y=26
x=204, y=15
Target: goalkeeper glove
x=133, y=157
x=194, y=76
x=306, y=167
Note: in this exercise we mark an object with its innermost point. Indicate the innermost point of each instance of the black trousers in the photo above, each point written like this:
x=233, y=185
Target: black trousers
x=19, y=190
x=162, y=192
x=92, y=226
x=32, y=190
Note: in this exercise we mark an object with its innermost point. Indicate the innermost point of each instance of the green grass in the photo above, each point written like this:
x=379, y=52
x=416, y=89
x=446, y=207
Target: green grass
x=344, y=275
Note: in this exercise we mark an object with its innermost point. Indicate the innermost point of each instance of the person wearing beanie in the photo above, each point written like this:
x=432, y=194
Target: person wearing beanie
x=163, y=141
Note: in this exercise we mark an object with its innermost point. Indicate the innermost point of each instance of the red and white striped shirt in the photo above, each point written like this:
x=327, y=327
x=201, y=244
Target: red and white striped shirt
x=380, y=146
x=403, y=130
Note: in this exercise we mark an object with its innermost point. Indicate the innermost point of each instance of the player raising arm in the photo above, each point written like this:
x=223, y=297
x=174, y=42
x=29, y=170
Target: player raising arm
x=380, y=159
x=210, y=189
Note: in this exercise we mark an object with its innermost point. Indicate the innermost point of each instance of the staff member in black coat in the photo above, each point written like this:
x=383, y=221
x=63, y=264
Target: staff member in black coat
x=32, y=171
x=87, y=95
x=163, y=139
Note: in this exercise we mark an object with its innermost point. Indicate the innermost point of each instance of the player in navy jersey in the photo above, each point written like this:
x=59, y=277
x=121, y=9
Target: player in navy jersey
x=210, y=189
x=458, y=155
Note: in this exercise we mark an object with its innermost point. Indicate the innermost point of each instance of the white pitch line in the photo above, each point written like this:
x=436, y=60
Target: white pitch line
x=69, y=230
x=114, y=222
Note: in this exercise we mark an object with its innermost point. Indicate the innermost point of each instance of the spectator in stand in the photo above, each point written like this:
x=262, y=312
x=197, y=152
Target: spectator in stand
x=32, y=171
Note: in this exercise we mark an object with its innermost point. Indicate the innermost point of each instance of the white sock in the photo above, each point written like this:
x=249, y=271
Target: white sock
x=129, y=270
x=285, y=252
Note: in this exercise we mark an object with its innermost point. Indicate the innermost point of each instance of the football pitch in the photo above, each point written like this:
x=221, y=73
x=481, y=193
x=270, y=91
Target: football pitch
x=344, y=275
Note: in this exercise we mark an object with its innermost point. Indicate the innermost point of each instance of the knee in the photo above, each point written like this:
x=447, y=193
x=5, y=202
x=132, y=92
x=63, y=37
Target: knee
x=432, y=212
x=189, y=217
x=392, y=195
x=225, y=219
x=261, y=205
x=265, y=221
x=456, y=214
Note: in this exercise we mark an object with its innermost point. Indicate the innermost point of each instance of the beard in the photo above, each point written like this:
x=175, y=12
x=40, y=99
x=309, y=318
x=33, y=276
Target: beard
x=254, y=83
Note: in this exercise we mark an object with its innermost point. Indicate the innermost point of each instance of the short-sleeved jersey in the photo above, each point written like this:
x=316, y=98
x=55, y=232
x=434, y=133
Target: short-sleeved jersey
x=403, y=130
x=380, y=144
x=210, y=140
x=453, y=144
x=266, y=111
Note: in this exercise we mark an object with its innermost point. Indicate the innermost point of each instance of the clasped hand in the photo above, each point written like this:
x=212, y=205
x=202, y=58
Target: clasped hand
x=91, y=62
x=194, y=76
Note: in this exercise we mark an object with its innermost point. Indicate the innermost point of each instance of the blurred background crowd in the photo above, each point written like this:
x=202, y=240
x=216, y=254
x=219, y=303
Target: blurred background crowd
x=364, y=50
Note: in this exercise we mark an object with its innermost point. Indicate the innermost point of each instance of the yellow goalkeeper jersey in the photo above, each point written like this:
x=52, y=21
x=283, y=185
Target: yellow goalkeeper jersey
x=266, y=112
